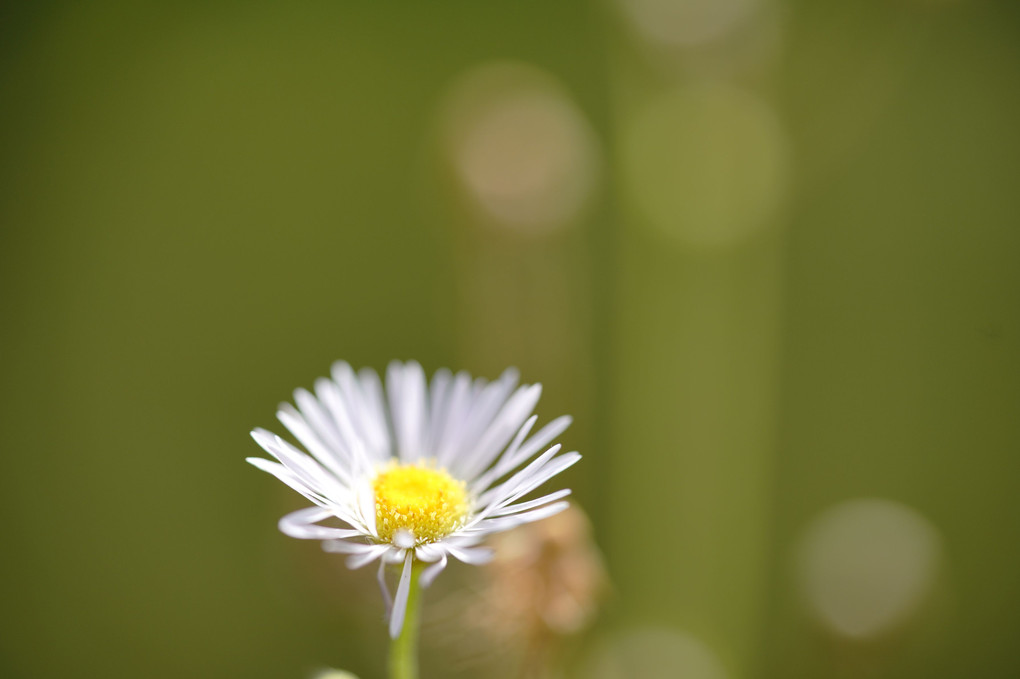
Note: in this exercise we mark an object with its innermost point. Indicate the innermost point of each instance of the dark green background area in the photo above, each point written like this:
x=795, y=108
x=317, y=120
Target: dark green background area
x=203, y=205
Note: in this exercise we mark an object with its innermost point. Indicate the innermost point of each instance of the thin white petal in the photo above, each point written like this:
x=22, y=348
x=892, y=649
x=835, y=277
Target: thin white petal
x=548, y=471
x=514, y=456
x=346, y=547
x=366, y=506
x=430, y=573
x=476, y=420
x=518, y=479
x=360, y=552
x=374, y=403
x=289, y=478
x=356, y=561
x=306, y=476
x=544, y=436
x=428, y=552
x=343, y=412
x=301, y=465
x=475, y=556
x=400, y=602
x=405, y=386
x=381, y=578
x=531, y=504
x=331, y=458
x=507, y=522
x=499, y=431
x=362, y=408
x=395, y=555
x=493, y=473
x=302, y=524
x=456, y=410
x=318, y=419
x=459, y=539
x=439, y=400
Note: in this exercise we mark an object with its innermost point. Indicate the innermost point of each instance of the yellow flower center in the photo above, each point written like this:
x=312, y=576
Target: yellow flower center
x=427, y=502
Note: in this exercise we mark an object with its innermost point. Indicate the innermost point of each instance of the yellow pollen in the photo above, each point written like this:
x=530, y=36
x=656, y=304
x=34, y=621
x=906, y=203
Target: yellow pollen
x=427, y=502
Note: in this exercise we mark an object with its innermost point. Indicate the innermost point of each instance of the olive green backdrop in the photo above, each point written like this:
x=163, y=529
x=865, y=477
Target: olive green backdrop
x=796, y=281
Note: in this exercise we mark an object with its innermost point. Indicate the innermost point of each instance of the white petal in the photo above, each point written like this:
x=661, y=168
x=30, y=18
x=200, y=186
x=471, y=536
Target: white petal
x=305, y=475
x=513, y=457
x=360, y=552
x=343, y=412
x=548, y=471
x=456, y=410
x=477, y=419
x=493, y=473
x=499, y=431
x=503, y=490
x=381, y=578
x=395, y=555
x=289, y=478
x=363, y=408
x=439, y=401
x=331, y=458
x=375, y=406
x=428, y=552
x=405, y=386
x=544, y=436
x=302, y=524
x=318, y=419
x=346, y=547
x=475, y=556
x=356, y=561
x=366, y=506
x=531, y=504
x=430, y=573
x=301, y=465
x=285, y=475
x=458, y=539
x=400, y=603
x=504, y=523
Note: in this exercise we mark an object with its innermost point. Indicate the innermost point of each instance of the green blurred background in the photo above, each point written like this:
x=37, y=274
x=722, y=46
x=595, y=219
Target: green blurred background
x=766, y=253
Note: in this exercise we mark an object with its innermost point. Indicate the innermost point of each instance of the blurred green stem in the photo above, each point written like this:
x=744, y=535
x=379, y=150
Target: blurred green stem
x=404, y=649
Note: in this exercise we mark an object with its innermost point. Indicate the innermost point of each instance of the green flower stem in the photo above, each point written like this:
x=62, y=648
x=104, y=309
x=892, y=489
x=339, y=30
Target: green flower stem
x=404, y=649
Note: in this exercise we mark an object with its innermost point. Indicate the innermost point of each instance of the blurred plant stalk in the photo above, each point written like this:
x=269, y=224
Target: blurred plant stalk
x=697, y=330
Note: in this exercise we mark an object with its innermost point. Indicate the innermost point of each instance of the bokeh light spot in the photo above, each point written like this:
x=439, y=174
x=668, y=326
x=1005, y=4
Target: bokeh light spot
x=867, y=565
x=522, y=152
x=706, y=165
x=653, y=653
x=333, y=674
x=687, y=22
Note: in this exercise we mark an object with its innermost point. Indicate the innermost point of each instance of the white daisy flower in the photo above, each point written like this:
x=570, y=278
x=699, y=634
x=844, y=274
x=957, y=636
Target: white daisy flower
x=418, y=471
